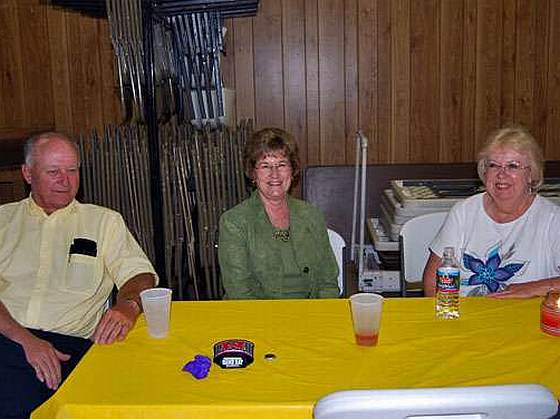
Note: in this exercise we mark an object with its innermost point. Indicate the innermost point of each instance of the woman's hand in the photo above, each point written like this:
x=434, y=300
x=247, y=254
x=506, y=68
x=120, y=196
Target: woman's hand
x=429, y=276
x=525, y=290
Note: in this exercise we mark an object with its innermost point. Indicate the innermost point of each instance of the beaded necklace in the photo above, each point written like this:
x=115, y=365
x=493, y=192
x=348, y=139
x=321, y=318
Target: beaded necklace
x=283, y=235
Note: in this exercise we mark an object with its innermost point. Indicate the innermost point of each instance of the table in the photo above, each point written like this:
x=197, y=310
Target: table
x=494, y=342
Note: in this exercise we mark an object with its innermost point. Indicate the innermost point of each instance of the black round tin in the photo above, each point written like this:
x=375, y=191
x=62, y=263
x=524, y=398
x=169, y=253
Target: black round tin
x=233, y=353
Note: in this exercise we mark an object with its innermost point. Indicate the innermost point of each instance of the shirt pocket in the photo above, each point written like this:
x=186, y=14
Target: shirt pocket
x=81, y=274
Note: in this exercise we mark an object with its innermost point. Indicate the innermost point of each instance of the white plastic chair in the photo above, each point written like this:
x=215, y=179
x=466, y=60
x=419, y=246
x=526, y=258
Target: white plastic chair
x=415, y=237
x=515, y=401
x=338, y=244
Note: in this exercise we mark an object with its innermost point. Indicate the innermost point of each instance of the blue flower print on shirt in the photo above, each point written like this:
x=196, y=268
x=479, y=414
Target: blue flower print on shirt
x=490, y=274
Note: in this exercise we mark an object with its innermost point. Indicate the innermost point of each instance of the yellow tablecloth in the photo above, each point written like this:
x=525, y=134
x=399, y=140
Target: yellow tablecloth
x=494, y=342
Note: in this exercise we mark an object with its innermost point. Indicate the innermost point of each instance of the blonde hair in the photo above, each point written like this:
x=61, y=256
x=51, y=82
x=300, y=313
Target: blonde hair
x=519, y=139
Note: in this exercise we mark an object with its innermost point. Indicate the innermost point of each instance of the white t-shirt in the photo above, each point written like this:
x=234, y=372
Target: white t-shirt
x=492, y=255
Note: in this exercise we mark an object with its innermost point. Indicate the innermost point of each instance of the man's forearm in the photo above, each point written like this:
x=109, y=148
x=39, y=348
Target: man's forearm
x=119, y=320
x=131, y=290
x=10, y=328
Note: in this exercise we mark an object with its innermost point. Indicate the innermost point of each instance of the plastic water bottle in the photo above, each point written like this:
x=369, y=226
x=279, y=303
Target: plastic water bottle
x=447, y=286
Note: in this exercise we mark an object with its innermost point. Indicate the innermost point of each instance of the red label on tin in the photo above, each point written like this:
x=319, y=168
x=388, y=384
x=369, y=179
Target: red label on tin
x=550, y=321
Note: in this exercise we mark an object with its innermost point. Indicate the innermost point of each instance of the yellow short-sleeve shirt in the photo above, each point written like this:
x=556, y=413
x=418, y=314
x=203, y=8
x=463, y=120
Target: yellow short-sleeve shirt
x=57, y=270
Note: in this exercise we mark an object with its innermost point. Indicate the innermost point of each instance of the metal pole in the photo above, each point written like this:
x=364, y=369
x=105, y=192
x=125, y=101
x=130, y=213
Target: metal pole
x=355, y=203
x=363, y=147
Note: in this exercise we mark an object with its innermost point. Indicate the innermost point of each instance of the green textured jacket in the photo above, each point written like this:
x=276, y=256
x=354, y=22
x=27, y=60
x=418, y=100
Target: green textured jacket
x=254, y=265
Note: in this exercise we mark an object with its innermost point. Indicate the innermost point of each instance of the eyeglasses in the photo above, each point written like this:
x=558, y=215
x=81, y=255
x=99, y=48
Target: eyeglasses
x=282, y=167
x=510, y=168
x=55, y=172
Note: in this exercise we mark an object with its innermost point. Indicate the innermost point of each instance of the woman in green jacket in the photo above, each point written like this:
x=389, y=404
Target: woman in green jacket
x=273, y=245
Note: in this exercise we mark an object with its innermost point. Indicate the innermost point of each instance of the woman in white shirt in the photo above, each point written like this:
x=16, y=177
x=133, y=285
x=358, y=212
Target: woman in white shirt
x=507, y=238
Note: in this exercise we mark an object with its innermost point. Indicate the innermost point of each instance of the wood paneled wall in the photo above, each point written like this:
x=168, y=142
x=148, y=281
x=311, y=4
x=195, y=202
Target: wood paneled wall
x=56, y=70
x=425, y=79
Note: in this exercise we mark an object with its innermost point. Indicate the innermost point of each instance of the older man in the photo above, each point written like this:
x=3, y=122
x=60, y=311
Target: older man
x=59, y=261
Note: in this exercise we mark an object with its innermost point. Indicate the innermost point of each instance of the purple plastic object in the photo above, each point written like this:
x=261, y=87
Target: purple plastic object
x=198, y=367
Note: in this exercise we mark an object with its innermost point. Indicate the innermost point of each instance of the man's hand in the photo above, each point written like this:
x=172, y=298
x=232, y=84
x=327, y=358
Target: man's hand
x=116, y=322
x=45, y=360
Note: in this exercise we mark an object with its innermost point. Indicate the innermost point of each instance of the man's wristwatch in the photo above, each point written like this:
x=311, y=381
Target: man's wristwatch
x=135, y=304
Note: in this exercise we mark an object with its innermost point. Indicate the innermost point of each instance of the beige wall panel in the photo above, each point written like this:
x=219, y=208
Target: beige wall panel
x=488, y=74
x=53, y=72
x=451, y=78
x=313, y=153
x=60, y=71
x=351, y=74
x=332, y=82
x=552, y=148
x=525, y=63
x=110, y=104
x=36, y=70
x=401, y=73
x=77, y=79
x=383, y=97
x=508, y=63
x=293, y=51
x=90, y=69
x=468, y=99
x=12, y=107
x=367, y=54
x=269, y=80
x=424, y=81
x=542, y=42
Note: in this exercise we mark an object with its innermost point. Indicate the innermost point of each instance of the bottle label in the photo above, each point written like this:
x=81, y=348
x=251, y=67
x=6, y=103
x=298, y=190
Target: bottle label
x=447, y=280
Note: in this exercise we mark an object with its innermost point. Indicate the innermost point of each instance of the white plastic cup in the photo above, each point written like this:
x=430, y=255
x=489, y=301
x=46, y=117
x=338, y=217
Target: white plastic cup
x=156, y=303
x=366, y=317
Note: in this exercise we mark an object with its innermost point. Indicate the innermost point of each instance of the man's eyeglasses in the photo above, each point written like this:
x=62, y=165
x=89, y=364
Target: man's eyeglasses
x=282, y=167
x=55, y=172
x=510, y=168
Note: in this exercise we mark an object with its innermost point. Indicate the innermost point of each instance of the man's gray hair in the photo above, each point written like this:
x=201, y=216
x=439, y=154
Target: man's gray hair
x=29, y=146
